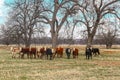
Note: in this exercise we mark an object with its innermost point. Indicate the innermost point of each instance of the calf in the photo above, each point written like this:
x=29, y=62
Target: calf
x=68, y=52
x=75, y=53
x=95, y=51
x=88, y=53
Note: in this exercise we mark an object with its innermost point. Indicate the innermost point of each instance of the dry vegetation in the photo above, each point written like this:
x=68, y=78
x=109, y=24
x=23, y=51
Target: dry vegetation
x=104, y=67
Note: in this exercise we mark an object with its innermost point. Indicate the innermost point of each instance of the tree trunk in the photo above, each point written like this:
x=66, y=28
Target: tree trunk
x=54, y=40
x=27, y=41
x=89, y=41
x=108, y=46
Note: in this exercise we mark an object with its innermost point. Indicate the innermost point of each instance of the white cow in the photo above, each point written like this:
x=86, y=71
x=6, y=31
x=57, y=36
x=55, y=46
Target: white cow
x=15, y=51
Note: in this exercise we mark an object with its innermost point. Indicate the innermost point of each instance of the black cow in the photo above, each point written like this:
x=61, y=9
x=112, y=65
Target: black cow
x=68, y=52
x=88, y=53
x=95, y=51
x=49, y=53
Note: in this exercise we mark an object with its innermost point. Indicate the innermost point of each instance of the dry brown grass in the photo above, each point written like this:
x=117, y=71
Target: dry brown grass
x=103, y=67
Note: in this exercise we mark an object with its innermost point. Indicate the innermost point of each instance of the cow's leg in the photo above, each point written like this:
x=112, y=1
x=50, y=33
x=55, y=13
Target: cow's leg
x=50, y=56
x=34, y=55
x=47, y=56
x=86, y=55
x=98, y=53
x=57, y=54
x=91, y=56
x=94, y=53
x=77, y=55
x=61, y=55
x=19, y=55
x=41, y=56
x=38, y=54
x=69, y=56
x=73, y=56
x=28, y=55
x=53, y=55
x=12, y=54
x=22, y=56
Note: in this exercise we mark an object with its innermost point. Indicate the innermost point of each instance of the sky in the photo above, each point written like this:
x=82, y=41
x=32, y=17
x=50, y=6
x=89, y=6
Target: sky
x=4, y=10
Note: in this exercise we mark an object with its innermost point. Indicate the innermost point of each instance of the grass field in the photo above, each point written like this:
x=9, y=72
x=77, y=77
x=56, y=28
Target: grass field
x=104, y=67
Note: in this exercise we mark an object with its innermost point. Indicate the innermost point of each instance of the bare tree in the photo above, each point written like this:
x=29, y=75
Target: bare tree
x=109, y=38
x=56, y=13
x=25, y=17
x=10, y=34
x=109, y=32
x=92, y=15
x=5, y=35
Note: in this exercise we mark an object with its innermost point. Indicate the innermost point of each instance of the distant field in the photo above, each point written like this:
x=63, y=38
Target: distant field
x=103, y=67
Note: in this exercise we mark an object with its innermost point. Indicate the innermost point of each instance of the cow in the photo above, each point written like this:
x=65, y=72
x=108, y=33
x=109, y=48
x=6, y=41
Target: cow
x=33, y=52
x=68, y=52
x=88, y=53
x=75, y=53
x=15, y=51
x=41, y=53
x=59, y=52
x=95, y=51
x=49, y=53
x=24, y=51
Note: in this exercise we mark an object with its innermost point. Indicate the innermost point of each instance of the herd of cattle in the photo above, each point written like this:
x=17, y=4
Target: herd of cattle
x=50, y=53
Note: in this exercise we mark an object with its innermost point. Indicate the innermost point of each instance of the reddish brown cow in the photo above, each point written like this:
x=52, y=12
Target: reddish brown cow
x=25, y=51
x=75, y=53
x=33, y=52
x=59, y=52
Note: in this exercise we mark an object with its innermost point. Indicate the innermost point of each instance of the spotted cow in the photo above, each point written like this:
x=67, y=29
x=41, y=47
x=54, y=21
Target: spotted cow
x=88, y=53
x=41, y=53
x=15, y=51
x=68, y=52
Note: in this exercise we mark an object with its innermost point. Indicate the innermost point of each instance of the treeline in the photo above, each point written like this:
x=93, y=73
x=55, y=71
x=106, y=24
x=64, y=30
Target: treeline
x=47, y=40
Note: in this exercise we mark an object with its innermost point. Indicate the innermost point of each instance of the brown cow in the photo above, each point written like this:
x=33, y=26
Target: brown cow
x=24, y=51
x=75, y=53
x=41, y=53
x=59, y=52
x=33, y=52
